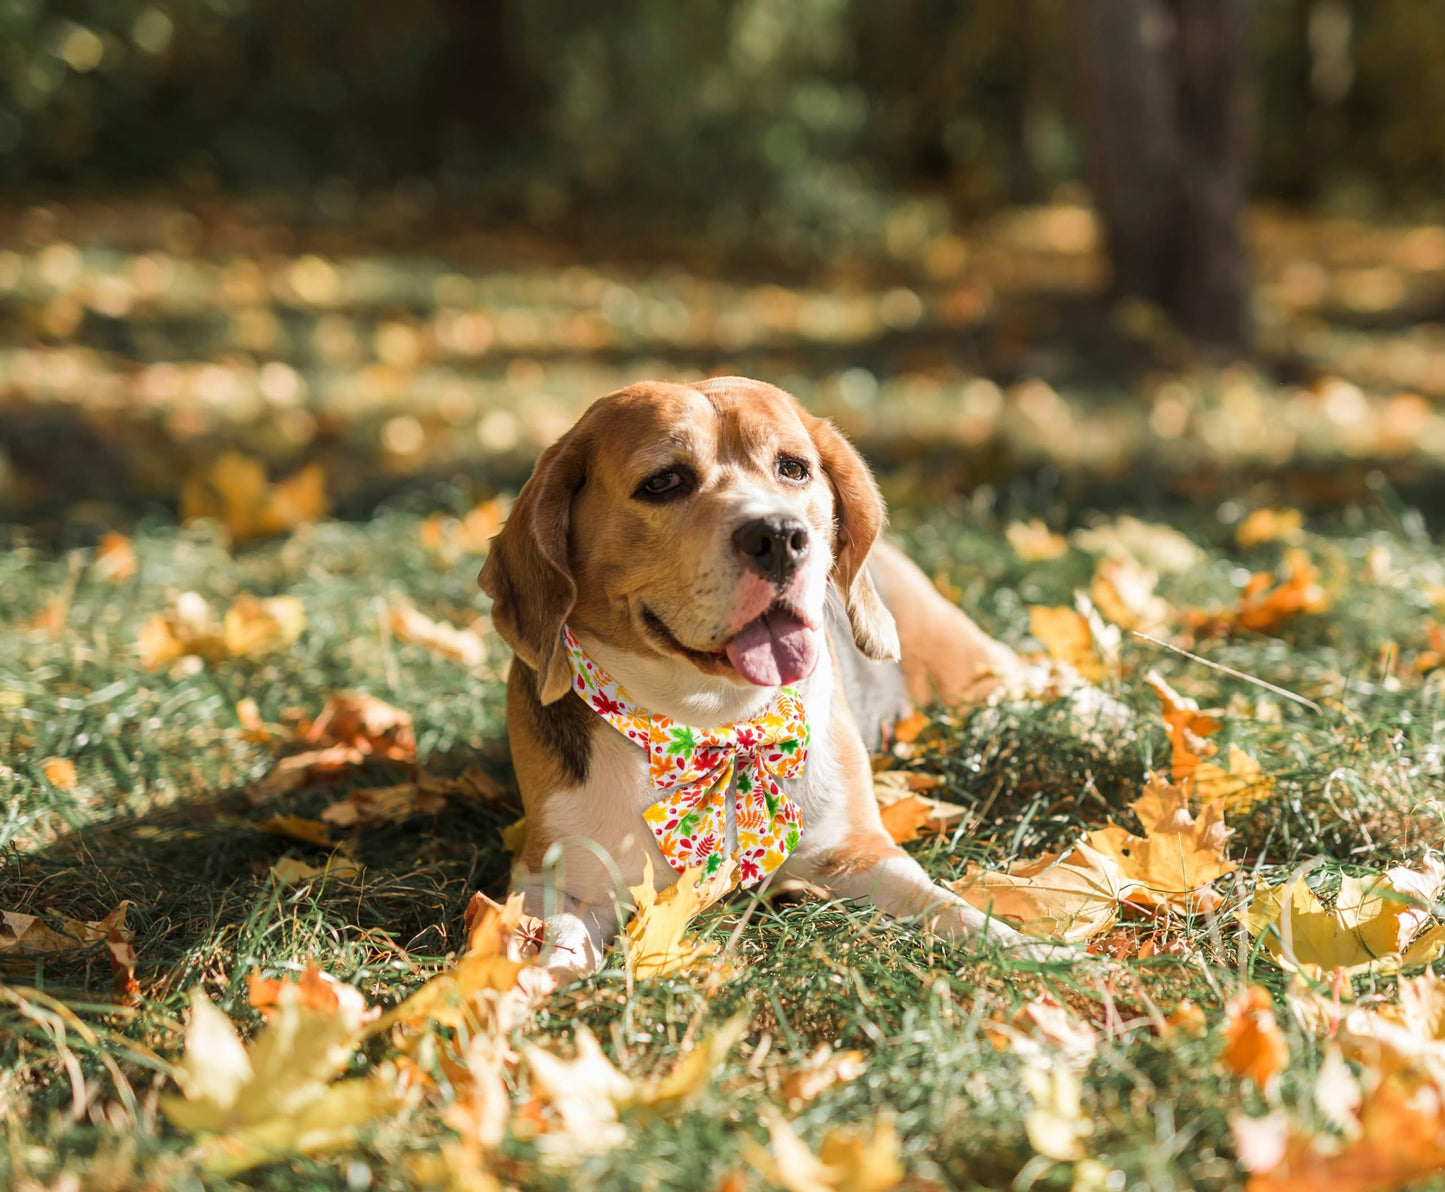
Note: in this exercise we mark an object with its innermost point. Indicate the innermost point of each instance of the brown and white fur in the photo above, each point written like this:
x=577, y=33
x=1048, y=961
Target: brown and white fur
x=656, y=585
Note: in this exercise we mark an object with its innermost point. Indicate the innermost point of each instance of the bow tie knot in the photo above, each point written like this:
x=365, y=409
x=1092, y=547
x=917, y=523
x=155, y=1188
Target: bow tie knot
x=695, y=767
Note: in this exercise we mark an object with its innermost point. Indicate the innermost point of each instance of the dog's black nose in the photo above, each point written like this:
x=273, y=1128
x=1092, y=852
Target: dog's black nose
x=773, y=546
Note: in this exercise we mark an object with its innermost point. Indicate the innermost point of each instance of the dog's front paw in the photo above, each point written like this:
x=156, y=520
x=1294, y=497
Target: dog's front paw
x=963, y=923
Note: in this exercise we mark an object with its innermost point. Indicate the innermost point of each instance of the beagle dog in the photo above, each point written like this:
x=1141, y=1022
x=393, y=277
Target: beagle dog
x=702, y=609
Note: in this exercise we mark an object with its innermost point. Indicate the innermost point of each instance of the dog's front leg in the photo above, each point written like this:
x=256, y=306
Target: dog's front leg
x=873, y=867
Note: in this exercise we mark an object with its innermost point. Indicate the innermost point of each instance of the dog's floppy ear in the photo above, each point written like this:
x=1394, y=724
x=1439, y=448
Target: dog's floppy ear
x=859, y=516
x=527, y=573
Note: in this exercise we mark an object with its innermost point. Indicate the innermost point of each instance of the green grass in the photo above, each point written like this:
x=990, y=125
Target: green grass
x=159, y=817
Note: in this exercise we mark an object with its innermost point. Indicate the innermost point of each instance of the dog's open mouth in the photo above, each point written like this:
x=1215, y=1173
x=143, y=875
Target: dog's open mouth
x=772, y=650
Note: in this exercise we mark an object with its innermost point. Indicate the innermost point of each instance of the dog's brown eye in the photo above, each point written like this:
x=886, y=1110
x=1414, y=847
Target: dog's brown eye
x=670, y=483
x=793, y=469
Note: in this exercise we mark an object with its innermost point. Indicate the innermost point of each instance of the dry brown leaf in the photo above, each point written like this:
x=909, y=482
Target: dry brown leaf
x=656, y=945
x=1063, y=897
x=1178, y=856
x=382, y=805
x=1034, y=542
x=235, y=491
x=449, y=539
x=26, y=938
x=59, y=772
x=1254, y=1046
x=464, y=646
x=115, y=560
x=365, y=723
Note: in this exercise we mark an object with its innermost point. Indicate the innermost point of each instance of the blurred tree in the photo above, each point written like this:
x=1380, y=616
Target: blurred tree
x=1164, y=118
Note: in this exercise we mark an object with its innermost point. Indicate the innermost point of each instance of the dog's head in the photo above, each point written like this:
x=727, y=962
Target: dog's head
x=696, y=527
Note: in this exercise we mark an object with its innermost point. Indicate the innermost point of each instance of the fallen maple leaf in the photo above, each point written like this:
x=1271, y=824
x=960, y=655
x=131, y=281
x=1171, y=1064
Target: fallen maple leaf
x=1042, y=1029
x=1123, y=592
x=254, y=1104
x=1067, y=897
x=1068, y=637
x=235, y=492
x=1034, y=542
x=448, y=538
x=254, y=626
x=1254, y=1045
x=296, y=827
x=1374, y=924
x=655, y=944
x=1178, y=856
x=115, y=560
x=1055, y=1123
x=819, y=1072
x=367, y=724
x=1267, y=601
x=1235, y=789
x=1269, y=525
x=906, y=814
x=291, y=871
x=847, y=1160
x=464, y=646
x=1159, y=547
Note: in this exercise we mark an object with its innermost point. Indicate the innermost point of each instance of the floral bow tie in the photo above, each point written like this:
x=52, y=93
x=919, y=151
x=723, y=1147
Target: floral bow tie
x=693, y=768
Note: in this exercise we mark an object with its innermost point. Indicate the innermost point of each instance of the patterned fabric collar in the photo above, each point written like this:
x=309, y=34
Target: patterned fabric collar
x=693, y=768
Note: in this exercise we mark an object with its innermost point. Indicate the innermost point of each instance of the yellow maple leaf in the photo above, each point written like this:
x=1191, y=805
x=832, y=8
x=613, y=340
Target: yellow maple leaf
x=1254, y=1045
x=254, y=626
x=260, y=1102
x=1123, y=592
x=235, y=491
x=1068, y=897
x=655, y=944
x=1177, y=857
x=1374, y=924
x=1033, y=541
x=847, y=1160
x=1269, y=525
x=907, y=812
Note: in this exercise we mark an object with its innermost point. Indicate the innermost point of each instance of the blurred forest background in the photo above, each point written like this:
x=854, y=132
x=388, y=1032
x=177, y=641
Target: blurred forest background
x=1169, y=245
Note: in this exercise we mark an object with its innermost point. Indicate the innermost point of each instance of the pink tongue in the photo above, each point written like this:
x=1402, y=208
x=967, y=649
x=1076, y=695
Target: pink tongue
x=774, y=650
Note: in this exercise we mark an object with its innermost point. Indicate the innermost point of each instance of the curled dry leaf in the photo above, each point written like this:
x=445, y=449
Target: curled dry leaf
x=27, y=938
x=847, y=1159
x=1375, y=924
x=906, y=813
x=383, y=805
x=656, y=945
x=236, y=492
x=296, y=827
x=1178, y=856
x=352, y=727
x=464, y=646
x=1076, y=639
x=1254, y=1046
x=1068, y=897
x=1034, y=542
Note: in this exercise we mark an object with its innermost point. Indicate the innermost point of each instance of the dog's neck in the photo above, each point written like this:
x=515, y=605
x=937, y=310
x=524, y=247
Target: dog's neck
x=674, y=688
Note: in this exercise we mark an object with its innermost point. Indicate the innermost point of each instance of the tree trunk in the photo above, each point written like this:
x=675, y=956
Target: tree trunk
x=1164, y=112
